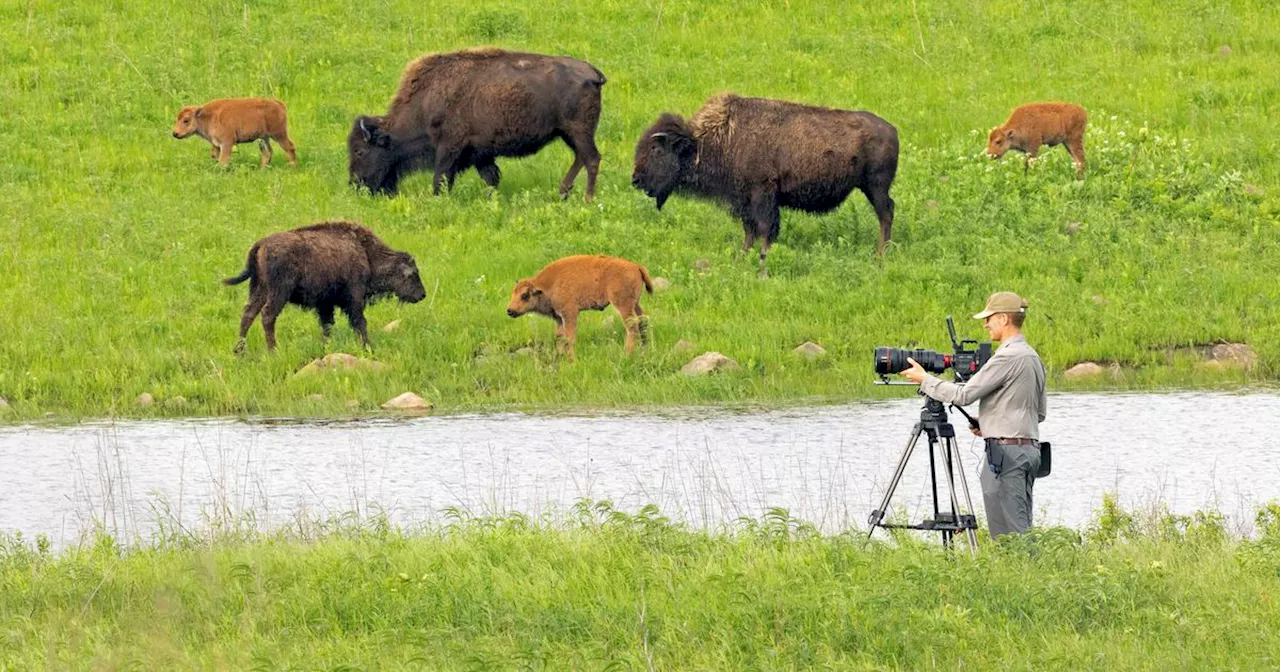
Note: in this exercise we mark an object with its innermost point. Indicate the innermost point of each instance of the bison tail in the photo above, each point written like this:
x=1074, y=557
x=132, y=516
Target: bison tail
x=250, y=265
x=648, y=282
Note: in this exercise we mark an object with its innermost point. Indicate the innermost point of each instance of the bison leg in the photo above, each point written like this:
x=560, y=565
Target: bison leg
x=355, y=315
x=224, y=154
x=489, y=172
x=251, y=309
x=1076, y=147
x=584, y=154
x=637, y=326
x=570, y=321
x=287, y=145
x=764, y=222
x=275, y=304
x=213, y=151
x=325, y=312
x=445, y=160
x=264, y=147
x=878, y=195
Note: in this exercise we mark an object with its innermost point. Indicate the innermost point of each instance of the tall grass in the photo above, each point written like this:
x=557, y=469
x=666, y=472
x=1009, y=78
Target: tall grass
x=115, y=234
x=616, y=590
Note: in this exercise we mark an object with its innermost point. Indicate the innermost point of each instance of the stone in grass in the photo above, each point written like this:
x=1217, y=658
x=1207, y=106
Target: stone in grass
x=341, y=361
x=702, y=266
x=1228, y=356
x=1084, y=370
x=4, y=403
x=1073, y=228
x=526, y=351
x=177, y=401
x=661, y=284
x=1254, y=190
x=810, y=351
x=144, y=400
x=408, y=402
x=1224, y=50
x=708, y=362
x=315, y=398
x=353, y=403
x=391, y=326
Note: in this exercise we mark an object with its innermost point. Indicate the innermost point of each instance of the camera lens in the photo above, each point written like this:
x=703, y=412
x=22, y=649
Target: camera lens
x=894, y=360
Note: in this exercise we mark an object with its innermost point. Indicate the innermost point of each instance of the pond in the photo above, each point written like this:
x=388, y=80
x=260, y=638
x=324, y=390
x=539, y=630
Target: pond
x=828, y=465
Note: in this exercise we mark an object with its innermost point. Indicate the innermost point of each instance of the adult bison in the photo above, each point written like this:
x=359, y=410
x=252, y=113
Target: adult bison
x=323, y=266
x=759, y=155
x=465, y=109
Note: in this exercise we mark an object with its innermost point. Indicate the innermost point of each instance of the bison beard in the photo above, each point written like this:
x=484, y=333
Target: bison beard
x=761, y=155
x=465, y=109
x=326, y=266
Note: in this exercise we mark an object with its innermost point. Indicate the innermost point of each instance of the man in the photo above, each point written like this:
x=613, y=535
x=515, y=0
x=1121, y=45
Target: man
x=1009, y=390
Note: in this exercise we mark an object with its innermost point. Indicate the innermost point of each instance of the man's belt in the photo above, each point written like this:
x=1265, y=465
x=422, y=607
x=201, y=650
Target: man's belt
x=1018, y=442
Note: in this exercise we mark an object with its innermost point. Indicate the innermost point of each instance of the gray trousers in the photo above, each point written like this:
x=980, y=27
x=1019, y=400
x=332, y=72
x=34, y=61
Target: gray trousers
x=1007, y=495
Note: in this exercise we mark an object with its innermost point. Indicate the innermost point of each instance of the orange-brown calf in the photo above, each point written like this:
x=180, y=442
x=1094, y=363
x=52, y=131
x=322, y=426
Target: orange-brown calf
x=226, y=122
x=1036, y=124
x=586, y=282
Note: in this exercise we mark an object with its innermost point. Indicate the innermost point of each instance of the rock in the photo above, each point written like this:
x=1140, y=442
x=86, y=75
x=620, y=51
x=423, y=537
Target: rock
x=341, y=361
x=177, y=401
x=1099, y=300
x=1073, y=228
x=407, y=402
x=526, y=351
x=1224, y=50
x=702, y=266
x=315, y=398
x=1228, y=356
x=4, y=403
x=1254, y=190
x=682, y=346
x=944, y=179
x=353, y=403
x=145, y=399
x=661, y=284
x=391, y=326
x=708, y=362
x=810, y=351
x=1084, y=370
x=931, y=204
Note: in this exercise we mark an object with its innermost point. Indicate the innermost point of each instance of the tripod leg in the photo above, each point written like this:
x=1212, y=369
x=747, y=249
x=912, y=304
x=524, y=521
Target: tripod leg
x=968, y=500
x=878, y=515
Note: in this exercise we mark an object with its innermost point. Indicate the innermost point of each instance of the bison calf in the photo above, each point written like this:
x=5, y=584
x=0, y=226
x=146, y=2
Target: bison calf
x=565, y=287
x=229, y=121
x=323, y=266
x=1036, y=124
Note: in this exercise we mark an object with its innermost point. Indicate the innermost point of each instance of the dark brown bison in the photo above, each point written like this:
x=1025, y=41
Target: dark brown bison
x=1036, y=124
x=465, y=109
x=226, y=122
x=570, y=285
x=759, y=155
x=323, y=266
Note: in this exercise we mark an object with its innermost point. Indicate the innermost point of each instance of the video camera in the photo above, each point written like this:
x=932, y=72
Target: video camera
x=965, y=361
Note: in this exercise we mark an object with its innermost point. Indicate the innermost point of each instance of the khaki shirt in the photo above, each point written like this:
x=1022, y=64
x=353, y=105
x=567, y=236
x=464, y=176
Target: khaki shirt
x=1009, y=390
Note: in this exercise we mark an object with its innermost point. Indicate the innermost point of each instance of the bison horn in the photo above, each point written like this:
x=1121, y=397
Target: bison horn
x=660, y=134
x=368, y=135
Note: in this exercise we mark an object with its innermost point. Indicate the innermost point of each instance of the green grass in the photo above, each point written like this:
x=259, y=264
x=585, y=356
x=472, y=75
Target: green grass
x=610, y=590
x=115, y=235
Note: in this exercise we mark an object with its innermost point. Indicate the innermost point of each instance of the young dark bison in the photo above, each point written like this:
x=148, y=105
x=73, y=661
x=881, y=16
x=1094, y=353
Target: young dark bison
x=465, y=109
x=323, y=266
x=760, y=155
x=570, y=285
x=1036, y=124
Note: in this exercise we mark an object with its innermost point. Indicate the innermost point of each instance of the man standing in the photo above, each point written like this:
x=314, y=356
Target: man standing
x=1011, y=400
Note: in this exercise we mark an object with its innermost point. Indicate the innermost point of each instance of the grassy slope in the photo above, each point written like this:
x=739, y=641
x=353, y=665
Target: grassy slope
x=115, y=234
x=618, y=591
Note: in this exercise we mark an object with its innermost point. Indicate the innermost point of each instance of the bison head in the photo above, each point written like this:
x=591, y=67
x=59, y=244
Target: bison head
x=372, y=155
x=526, y=298
x=664, y=156
x=186, y=123
x=999, y=141
x=398, y=274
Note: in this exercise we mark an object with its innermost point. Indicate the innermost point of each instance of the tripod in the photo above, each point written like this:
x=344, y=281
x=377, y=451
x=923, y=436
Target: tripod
x=934, y=424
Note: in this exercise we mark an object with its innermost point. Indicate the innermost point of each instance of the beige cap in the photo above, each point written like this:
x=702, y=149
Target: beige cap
x=1002, y=302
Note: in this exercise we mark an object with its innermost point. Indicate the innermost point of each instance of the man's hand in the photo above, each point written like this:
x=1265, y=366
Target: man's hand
x=916, y=373
x=975, y=430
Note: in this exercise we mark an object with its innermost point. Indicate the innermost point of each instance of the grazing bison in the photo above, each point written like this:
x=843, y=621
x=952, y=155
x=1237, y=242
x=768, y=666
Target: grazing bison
x=465, y=109
x=1036, y=124
x=585, y=282
x=323, y=266
x=760, y=155
x=226, y=122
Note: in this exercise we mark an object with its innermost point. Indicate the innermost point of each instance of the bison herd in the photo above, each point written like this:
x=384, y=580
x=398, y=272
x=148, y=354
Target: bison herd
x=465, y=109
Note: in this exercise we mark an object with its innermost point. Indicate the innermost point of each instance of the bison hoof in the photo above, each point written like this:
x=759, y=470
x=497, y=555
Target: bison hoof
x=239, y=349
